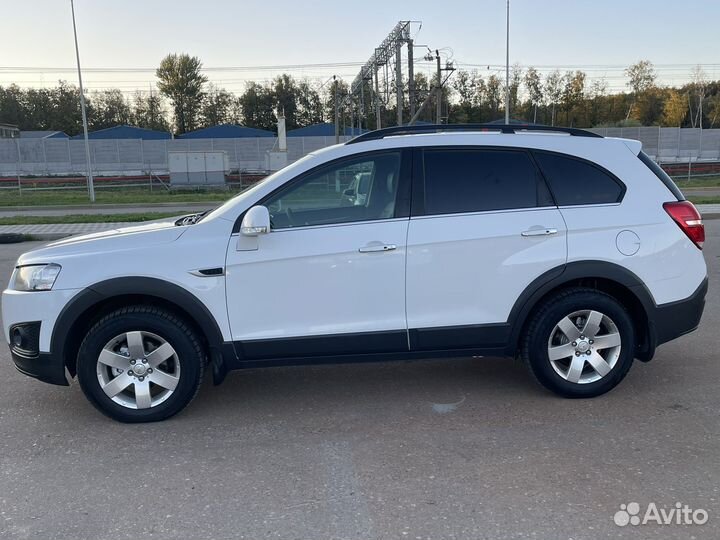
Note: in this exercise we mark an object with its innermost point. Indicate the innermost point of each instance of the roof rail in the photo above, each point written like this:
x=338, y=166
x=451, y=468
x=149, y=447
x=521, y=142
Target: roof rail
x=443, y=128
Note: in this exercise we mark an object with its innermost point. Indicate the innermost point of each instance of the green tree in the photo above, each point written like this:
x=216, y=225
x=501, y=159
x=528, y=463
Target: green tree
x=181, y=81
x=218, y=107
x=553, y=91
x=533, y=83
x=309, y=105
x=110, y=108
x=573, y=94
x=494, y=95
x=714, y=109
x=257, y=106
x=66, y=115
x=285, y=97
x=641, y=78
x=675, y=109
x=698, y=87
x=516, y=77
x=149, y=112
x=12, y=106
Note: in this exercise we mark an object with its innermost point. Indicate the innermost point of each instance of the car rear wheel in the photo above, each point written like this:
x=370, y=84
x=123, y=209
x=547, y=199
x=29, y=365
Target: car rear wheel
x=140, y=364
x=580, y=343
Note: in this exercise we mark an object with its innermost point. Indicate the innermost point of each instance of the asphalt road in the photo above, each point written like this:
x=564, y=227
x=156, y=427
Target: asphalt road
x=465, y=448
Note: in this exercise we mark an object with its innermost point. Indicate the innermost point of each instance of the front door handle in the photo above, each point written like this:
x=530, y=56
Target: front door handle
x=539, y=232
x=373, y=248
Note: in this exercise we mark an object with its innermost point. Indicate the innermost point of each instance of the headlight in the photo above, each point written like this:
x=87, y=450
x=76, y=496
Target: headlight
x=37, y=277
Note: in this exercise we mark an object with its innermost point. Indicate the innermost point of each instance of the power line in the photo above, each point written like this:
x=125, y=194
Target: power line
x=36, y=69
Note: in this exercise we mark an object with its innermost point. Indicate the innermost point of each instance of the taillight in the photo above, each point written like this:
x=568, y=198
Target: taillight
x=688, y=219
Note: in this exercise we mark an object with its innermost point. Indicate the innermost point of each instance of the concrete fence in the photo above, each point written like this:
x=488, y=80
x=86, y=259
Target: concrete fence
x=133, y=156
x=671, y=145
x=37, y=157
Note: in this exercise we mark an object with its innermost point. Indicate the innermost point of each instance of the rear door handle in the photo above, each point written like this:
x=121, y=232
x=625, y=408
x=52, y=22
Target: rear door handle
x=539, y=232
x=373, y=248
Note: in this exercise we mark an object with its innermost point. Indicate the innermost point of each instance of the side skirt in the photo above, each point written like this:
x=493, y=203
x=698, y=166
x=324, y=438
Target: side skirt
x=463, y=341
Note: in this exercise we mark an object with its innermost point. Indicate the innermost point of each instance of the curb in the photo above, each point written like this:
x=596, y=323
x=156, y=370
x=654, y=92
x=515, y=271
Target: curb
x=12, y=238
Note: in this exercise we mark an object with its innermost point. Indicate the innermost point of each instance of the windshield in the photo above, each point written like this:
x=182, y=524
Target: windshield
x=249, y=191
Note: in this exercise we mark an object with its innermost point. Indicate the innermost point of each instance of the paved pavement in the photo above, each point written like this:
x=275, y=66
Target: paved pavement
x=443, y=449
x=702, y=192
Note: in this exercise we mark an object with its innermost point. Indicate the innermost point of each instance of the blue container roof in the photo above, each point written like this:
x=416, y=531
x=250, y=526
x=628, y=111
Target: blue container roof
x=126, y=132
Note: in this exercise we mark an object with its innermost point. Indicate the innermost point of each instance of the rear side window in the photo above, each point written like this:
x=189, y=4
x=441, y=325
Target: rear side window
x=662, y=176
x=477, y=180
x=573, y=181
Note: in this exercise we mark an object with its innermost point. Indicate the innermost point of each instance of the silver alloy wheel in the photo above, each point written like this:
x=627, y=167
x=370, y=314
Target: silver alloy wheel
x=138, y=370
x=584, y=346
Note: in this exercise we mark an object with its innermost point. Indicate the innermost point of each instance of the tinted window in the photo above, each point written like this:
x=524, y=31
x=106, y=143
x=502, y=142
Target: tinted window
x=662, y=175
x=480, y=180
x=358, y=189
x=573, y=181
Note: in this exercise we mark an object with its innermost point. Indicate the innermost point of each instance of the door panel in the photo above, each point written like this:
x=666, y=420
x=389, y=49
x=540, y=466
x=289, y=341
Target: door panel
x=469, y=269
x=314, y=281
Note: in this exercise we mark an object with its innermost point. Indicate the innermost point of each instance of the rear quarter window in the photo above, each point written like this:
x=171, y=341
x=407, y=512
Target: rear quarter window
x=574, y=181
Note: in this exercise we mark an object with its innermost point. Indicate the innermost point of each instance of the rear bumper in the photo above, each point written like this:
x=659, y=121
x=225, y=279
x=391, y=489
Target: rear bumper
x=675, y=319
x=44, y=367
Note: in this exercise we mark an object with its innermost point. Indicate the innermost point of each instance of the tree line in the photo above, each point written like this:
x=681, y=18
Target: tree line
x=186, y=101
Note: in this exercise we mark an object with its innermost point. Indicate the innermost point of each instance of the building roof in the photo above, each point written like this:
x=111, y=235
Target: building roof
x=226, y=131
x=126, y=132
x=322, y=130
x=43, y=134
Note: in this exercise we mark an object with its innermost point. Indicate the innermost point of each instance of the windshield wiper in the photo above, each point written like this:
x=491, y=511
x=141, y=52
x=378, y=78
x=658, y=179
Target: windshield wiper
x=192, y=219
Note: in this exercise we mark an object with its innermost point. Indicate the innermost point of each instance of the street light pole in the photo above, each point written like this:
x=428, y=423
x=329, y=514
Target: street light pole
x=507, y=64
x=90, y=183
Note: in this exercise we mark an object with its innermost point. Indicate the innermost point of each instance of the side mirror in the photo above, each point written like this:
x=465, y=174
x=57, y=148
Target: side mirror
x=256, y=221
x=350, y=192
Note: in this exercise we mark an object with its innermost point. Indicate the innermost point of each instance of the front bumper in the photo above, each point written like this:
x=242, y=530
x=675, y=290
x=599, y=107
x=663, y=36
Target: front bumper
x=675, y=319
x=44, y=367
x=30, y=309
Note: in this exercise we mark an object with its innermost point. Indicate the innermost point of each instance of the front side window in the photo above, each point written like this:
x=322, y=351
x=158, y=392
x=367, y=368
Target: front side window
x=479, y=180
x=357, y=189
x=573, y=181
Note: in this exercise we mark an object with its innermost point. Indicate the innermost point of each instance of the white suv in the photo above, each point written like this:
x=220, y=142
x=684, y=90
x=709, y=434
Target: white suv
x=570, y=250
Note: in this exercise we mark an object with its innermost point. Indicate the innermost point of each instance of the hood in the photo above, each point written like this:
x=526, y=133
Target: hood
x=139, y=236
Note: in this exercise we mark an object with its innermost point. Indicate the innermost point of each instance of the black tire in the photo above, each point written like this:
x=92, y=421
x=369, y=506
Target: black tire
x=163, y=323
x=535, y=343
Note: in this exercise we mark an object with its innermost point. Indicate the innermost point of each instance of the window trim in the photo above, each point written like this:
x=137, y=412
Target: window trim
x=402, y=200
x=418, y=192
x=620, y=183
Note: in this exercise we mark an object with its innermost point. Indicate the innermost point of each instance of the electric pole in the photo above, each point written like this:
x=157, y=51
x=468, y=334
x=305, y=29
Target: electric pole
x=411, y=78
x=337, y=111
x=507, y=64
x=438, y=89
x=378, y=120
x=398, y=82
x=90, y=182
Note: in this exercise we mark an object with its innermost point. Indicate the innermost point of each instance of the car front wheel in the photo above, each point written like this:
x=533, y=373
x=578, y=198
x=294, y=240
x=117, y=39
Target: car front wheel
x=140, y=364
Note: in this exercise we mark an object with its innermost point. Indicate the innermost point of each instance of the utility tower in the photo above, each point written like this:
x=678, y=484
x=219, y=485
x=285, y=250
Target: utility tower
x=390, y=49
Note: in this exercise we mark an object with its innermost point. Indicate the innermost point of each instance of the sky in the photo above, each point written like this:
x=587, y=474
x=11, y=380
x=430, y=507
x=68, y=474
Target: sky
x=599, y=36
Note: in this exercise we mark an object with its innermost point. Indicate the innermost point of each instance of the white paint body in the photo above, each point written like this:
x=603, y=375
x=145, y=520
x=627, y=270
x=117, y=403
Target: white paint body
x=445, y=271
